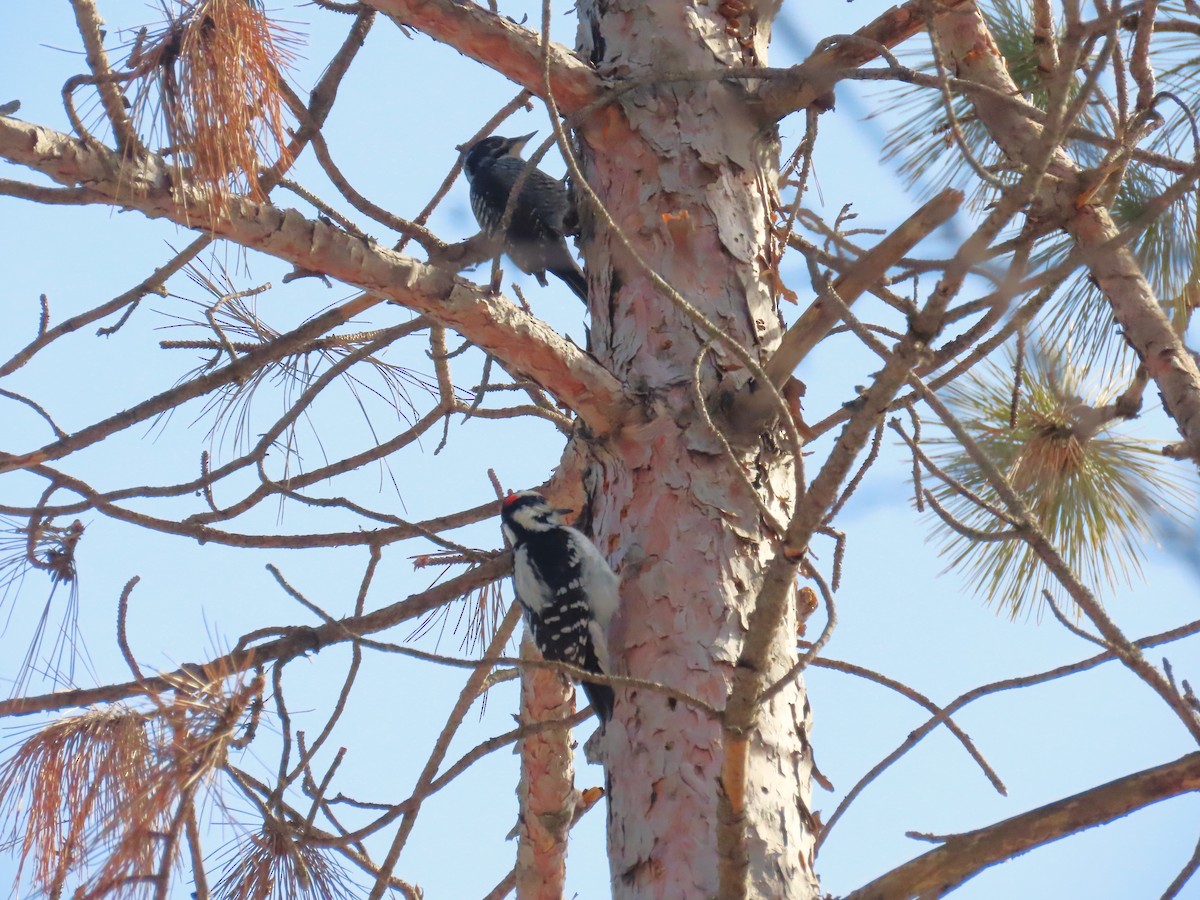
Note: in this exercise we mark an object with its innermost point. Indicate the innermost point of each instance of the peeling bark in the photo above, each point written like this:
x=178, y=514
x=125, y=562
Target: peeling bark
x=690, y=186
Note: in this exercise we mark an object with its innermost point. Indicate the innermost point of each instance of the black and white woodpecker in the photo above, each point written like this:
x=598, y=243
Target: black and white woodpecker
x=566, y=588
x=542, y=216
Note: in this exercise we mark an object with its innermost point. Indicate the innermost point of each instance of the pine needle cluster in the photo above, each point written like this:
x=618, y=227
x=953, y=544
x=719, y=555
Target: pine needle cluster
x=1166, y=246
x=1094, y=490
x=34, y=545
x=272, y=863
x=215, y=73
x=103, y=797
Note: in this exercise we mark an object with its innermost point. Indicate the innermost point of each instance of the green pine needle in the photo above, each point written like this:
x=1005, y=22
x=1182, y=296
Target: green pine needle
x=1095, y=497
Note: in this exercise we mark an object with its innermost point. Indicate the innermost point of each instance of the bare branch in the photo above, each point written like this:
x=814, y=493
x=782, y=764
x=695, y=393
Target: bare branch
x=499, y=43
x=751, y=406
x=524, y=343
x=295, y=642
x=153, y=283
x=967, y=40
x=966, y=855
x=1184, y=876
x=466, y=698
x=811, y=81
x=91, y=30
x=837, y=665
x=918, y=734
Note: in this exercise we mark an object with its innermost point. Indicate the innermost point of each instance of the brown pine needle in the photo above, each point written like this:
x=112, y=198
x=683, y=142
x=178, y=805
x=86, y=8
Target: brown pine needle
x=271, y=863
x=218, y=69
x=68, y=782
x=103, y=796
x=191, y=739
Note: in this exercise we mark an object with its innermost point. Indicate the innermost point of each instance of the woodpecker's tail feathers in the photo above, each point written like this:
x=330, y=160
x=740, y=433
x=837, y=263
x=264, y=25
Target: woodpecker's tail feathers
x=602, y=699
x=572, y=275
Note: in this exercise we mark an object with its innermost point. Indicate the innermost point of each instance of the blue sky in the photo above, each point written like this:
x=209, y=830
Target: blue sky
x=404, y=107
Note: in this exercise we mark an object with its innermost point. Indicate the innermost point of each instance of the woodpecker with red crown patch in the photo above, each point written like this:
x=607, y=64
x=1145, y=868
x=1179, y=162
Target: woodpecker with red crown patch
x=566, y=588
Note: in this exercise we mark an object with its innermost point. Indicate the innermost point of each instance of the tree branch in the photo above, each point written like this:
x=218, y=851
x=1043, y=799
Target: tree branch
x=546, y=790
x=441, y=746
x=771, y=604
x=50, y=196
x=295, y=642
x=496, y=326
x=813, y=79
x=965, y=855
x=964, y=35
x=500, y=44
x=91, y=29
x=753, y=406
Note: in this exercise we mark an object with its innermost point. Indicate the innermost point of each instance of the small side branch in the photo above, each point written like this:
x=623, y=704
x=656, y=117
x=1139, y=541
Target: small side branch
x=466, y=698
x=295, y=642
x=813, y=79
x=87, y=17
x=752, y=406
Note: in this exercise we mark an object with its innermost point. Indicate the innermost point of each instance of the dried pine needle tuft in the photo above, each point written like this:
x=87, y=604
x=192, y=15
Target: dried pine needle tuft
x=218, y=66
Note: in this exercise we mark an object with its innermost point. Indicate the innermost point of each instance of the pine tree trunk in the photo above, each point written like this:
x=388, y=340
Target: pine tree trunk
x=691, y=183
x=546, y=791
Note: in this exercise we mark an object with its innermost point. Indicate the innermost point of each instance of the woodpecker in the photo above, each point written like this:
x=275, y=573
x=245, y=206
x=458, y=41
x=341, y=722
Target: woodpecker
x=541, y=217
x=565, y=587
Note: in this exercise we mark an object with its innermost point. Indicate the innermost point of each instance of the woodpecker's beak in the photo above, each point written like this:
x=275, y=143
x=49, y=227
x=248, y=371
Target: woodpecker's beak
x=517, y=144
